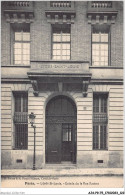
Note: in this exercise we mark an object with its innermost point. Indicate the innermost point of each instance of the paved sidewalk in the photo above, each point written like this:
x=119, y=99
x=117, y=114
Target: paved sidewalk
x=63, y=172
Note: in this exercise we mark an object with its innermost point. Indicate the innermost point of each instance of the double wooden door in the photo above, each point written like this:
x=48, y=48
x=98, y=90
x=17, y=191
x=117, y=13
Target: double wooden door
x=60, y=132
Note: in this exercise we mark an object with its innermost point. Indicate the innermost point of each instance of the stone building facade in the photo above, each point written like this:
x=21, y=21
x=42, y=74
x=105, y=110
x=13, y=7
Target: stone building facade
x=63, y=61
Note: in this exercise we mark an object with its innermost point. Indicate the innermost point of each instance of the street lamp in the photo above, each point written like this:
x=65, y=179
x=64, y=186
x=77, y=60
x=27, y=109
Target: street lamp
x=32, y=117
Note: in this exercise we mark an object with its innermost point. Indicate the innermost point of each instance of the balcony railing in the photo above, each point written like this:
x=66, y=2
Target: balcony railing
x=18, y=11
x=104, y=11
x=100, y=118
x=20, y=117
x=18, y=5
x=60, y=12
x=101, y=4
x=60, y=4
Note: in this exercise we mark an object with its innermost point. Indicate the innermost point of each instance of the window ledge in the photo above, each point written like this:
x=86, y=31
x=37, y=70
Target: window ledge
x=100, y=150
x=19, y=149
x=61, y=61
x=16, y=66
x=107, y=67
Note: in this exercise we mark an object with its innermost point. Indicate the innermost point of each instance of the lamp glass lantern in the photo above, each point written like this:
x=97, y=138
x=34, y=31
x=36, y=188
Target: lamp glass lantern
x=32, y=117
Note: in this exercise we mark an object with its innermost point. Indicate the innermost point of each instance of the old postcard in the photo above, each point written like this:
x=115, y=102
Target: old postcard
x=62, y=95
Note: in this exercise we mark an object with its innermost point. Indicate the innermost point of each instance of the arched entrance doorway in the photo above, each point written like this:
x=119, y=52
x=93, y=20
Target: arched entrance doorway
x=61, y=127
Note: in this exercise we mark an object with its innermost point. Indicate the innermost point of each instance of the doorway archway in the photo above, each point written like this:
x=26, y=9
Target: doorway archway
x=61, y=127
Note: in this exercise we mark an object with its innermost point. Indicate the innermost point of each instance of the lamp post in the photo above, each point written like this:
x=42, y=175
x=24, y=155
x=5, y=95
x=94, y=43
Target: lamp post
x=32, y=117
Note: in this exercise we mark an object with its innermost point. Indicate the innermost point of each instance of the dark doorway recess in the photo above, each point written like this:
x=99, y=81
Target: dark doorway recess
x=61, y=130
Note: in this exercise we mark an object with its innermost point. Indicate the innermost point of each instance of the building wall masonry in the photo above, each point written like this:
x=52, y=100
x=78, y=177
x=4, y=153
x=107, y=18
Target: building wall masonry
x=80, y=36
x=16, y=79
x=86, y=157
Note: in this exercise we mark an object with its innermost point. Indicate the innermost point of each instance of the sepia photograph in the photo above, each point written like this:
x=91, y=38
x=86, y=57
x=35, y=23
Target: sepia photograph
x=62, y=95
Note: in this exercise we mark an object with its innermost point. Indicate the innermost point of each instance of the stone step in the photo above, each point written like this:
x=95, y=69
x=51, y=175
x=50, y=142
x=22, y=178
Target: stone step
x=62, y=165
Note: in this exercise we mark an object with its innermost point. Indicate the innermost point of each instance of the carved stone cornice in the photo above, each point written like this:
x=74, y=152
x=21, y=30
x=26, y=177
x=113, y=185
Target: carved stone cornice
x=101, y=12
x=61, y=83
x=60, y=12
x=63, y=17
x=18, y=11
x=101, y=18
x=18, y=16
x=60, y=76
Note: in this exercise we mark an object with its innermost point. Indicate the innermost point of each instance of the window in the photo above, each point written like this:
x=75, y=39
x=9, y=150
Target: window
x=21, y=44
x=100, y=121
x=100, y=45
x=61, y=42
x=67, y=131
x=21, y=121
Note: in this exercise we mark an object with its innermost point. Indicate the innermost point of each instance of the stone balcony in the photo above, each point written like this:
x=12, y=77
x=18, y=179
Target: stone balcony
x=18, y=5
x=60, y=11
x=101, y=11
x=18, y=11
x=101, y=6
